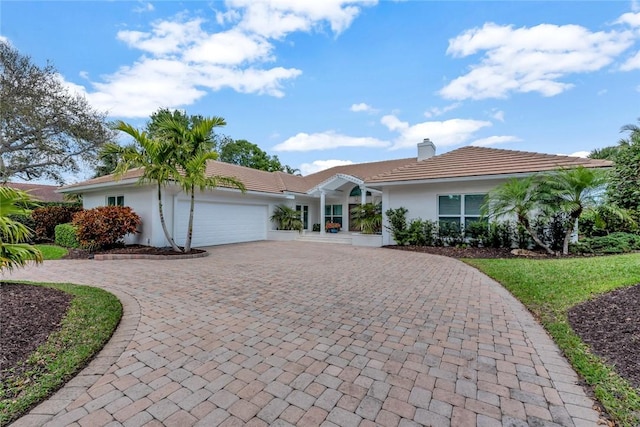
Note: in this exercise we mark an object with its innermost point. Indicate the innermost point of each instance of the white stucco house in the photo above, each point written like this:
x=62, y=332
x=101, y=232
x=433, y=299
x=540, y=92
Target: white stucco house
x=450, y=187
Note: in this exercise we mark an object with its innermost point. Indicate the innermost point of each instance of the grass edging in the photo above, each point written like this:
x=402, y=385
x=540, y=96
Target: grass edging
x=548, y=288
x=87, y=326
x=52, y=252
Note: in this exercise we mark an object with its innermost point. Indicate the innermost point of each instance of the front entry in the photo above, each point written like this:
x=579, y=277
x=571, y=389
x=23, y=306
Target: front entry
x=304, y=215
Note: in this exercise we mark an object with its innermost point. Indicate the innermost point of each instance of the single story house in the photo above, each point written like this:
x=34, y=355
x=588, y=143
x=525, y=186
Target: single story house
x=448, y=187
x=39, y=192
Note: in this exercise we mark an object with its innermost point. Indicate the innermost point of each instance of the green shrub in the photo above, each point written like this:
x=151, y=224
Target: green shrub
x=105, y=226
x=66, y=236
x=451, y=233
x=614, y=243
x=422, y=233
x=476, y=233
x=551, y=229
x=500, y=235
x=398, y=225
x=316, y=227
x=46, y=218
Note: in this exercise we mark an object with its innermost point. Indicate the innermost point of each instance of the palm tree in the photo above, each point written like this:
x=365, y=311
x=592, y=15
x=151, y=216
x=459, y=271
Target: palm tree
x=518, y=197
x=193, y=145
x=286, y=218
x=574, y=191
x=155, y=156
x=368, y=217
x=14, y=252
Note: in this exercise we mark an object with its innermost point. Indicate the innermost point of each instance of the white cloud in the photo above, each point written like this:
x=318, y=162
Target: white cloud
x=498, y=115
x=435, y=111
x=494, y=140
x=182, y=60
x=442, y=133
x=632, y=63
x=319, y=165
x=580, y=154
x=326, y=141
x=360, y=107
x=144, y=7
x=529, y=59
x=629, y=18
x=276, y=18
x=4, y=39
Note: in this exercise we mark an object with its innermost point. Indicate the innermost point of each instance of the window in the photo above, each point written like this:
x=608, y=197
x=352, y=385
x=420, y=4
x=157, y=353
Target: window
x=333, y=213
x=460, y=209
x=115, y=201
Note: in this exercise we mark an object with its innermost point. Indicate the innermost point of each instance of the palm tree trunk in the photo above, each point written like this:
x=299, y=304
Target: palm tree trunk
x=164, y=225
x=187, y=243
x=567, y=234
x=534, y=236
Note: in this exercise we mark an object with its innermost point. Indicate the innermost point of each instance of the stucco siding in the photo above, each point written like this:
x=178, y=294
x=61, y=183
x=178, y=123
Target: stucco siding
x=422, y=199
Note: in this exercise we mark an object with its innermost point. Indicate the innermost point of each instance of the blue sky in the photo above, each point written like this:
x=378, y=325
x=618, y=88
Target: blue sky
x=321, y=83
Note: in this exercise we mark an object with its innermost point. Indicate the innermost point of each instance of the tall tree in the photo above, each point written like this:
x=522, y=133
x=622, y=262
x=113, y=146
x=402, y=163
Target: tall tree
x=520, y=198
x=14, y=249
x=155, y=156
x=574, y=191
x=44, y=128
x=624, y=188
x=193, y=145
x=244, y=153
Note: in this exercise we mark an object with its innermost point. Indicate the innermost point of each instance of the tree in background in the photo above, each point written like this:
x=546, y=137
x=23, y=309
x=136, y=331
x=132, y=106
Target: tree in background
x=244, y=153
x=44, y=128
x=624, y=188
x=14, y=251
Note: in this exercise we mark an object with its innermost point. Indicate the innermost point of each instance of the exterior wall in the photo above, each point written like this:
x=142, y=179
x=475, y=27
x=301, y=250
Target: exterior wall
x=422, y=199
x=143, y=201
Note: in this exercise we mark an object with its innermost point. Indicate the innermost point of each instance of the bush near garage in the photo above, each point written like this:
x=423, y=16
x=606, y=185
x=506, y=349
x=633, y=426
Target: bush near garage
x=46, y=218
x=105, y=227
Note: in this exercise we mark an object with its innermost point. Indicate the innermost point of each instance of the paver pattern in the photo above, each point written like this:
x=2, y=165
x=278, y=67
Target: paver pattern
x=290, y=333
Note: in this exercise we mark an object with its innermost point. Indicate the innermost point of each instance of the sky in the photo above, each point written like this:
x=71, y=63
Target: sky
x=329, y=82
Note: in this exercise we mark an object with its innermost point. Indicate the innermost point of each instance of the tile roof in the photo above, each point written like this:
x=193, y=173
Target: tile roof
x=40, y=192
x=481, y=161
x=463, y=162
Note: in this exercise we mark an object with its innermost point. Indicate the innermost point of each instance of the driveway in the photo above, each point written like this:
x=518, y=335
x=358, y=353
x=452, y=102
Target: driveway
x=291, y=333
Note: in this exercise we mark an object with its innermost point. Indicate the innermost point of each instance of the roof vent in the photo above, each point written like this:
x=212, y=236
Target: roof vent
x=426, y=149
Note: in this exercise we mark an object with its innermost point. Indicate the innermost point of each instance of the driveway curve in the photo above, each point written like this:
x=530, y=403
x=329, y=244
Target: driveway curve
x=291, y=333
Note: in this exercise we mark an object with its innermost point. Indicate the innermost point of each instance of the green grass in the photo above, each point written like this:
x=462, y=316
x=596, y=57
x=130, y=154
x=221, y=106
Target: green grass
x=86, y=328
x=549, y=288
x=50, y=252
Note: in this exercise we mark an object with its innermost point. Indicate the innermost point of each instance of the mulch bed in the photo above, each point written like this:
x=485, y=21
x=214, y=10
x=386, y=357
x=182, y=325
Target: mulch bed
x=454, y=252
x=28, y=314
x=130, y=249
x=610, y=325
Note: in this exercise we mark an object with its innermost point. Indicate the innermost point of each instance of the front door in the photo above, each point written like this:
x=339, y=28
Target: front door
x=304, y=215
x=352, y=225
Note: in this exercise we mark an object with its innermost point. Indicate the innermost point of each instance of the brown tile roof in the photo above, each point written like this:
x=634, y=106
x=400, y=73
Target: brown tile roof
x=131, y=174
x=359, y=170
x=40, y=192
x=253, y=179
x=481, y=161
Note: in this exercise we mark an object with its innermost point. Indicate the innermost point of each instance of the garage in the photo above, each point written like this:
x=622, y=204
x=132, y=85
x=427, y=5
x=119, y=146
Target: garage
x=221, y=223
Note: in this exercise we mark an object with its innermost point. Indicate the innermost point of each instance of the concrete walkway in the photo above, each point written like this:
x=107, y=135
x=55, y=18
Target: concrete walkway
x=291, y=333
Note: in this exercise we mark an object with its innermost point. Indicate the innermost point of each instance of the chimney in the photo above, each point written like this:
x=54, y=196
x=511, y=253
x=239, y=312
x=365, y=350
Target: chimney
x=426, y=149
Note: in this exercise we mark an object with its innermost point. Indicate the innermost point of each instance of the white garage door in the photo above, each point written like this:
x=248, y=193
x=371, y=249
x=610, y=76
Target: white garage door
x=221, y=223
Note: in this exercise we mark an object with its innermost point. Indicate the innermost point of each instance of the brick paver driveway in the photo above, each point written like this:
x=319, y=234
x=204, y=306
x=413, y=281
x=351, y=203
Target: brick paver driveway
x=276, y=333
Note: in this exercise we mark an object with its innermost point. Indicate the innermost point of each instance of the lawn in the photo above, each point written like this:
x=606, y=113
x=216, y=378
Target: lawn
x=50, y=252
x=86, y=328
x=549, y=288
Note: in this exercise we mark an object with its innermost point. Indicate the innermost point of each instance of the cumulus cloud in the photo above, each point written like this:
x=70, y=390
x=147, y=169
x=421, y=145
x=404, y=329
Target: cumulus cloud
x=442, y=133
x=632, y=63
x=320, y=165
x=498, y=115
x=494, y=140
x=580, y=154
x=361, y=107
x=530, y=59
x=630, y=18
x=182, y=60
x=144, y=7
x=326, y=141
x=435, y=111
